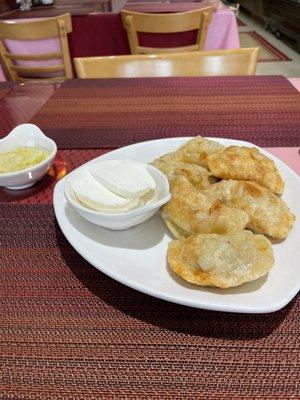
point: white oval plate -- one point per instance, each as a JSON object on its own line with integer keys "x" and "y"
{"x": 137, "y": 257}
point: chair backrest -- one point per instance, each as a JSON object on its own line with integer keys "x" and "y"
{"x": 18, "y": 66}
{"x": 135, "y": 22}
{"x": 202, "y": 63}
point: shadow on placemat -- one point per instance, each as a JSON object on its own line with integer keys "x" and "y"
{"x": 167, "y": 315}
{"x": 13, "y": 196}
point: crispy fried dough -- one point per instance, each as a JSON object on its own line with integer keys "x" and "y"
{"x": 268, "y": 214}
{"x": 245, "y": 164}
{"x": 221, "y": 260}
{"x": 191, "y": 211}
{"x": 200, "y": 177}
{"x": 195, "y": 151}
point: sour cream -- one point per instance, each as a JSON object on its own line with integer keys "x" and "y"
{"x": 114, "y": 185}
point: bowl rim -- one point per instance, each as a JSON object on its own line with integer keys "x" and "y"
{"x": 33, "y": 167}
{"x": 131, "y": 213}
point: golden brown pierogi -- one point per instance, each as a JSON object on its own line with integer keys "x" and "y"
{"x": 268, "y": 214}
{"x": 221, "y": 260}
{"x": 194, "y": 151}
{"x": 200, "y": 177}
{"x": 191, "y": 211}
{"x": 245, "y": 164}
{"x": 197, "y": 150}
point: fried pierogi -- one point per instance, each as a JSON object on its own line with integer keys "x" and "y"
{"x": 268, "y": 214}
{"x": 191, "y": 211}
{"x": 245, "y": 164}
{"x": 221, "y": 260}
{"x": 200, "y": 177}
{"x": 195, "y": 151}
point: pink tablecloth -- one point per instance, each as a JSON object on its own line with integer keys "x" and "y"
{"x": 289, "y": 155}
{"x": 103, "y": 35}
{"x": 222, "y": 33}
{"x": 295, "y": 82}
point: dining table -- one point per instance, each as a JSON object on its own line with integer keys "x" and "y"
{"x": 68, "y": 331}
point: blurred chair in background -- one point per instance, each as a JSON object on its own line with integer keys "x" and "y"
{"x": 37, "y": 65}
{"x": 202, "y": 63}
{"x": 166, "y": 23}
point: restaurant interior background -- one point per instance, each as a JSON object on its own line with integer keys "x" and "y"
{"x": 271, "y": 25}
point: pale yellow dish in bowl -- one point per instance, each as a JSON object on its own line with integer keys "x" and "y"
{"x": 26, "y": 155}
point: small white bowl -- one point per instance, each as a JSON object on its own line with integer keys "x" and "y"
{"x": 27, "y": 135}
{"x": 124, "y": 220}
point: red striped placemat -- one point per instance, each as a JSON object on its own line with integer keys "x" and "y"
{"x": 21, "y": 104}
{"x": 5, "y": 87}
{"x": 70, "y": 332}
{"x": 112, "y": 113}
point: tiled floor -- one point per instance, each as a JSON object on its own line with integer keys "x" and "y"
{"x": 286, "y": 68}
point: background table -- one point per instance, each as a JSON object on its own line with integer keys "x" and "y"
{"x": 68, "y": 331}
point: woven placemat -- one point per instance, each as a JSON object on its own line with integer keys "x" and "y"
{"x": 21, "y": 104}
{"x": 110, "y": 113}
{"x": 5, "y": 87}
{"x": 70, "y": 332}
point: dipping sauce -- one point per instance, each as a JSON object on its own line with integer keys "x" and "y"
{"x": 114, "y": 186}
{"x": 21, "y": 158}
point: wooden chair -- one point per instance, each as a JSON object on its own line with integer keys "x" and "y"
{"x": 56, "y": 27}
{"x": 135, "y": 22}
{"x": 202, "y": 63}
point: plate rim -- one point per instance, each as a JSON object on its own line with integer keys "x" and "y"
{"x": 156, "y": 293}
